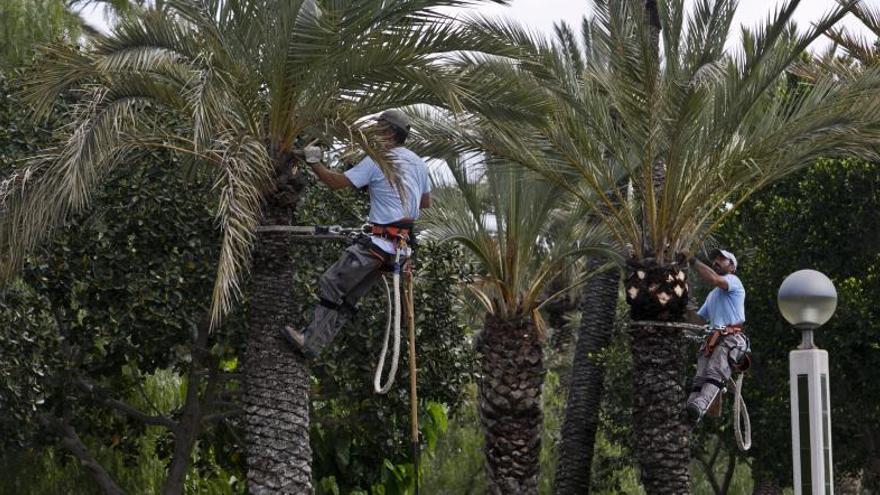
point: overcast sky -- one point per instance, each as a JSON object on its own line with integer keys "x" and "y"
{"x": 542, "y": 14}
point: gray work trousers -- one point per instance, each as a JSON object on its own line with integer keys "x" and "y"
{"x": 715, "y": 369}
{"x": 341, "y": 287}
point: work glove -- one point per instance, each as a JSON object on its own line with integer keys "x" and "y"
{"x": 314, "y": 154}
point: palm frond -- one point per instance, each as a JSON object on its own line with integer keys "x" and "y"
{"x": 718, "y": 126}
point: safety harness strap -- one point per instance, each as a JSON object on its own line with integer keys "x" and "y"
{"x": 718, "y": 383}
{"x": 715, "y": 337}
{"x": 345, "y": 306}
{"x": 393, "y": 231}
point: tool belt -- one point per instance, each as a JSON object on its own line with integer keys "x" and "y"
{"x": 745, "y": 360}
{"x": 715, "y": 337}
{"x": 393, "y": 231}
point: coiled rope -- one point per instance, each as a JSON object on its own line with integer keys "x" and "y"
{"x": 395, "y": 353}
{"x": 742, "y": 426}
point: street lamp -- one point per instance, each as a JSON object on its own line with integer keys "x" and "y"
{"x": 807, "y": 299}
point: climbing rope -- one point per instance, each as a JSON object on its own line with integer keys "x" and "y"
{"x": 316, "y": 232}
{"x": 395, "y": 353}
{"x": 742, "y": 426}
{"x": 692, "y": 331}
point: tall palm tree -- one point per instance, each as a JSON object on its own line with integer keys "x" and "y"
{"x": 713, "y": 123}
{"x": 516, "y": 259}
{"x": 861, "y": 48}
{"x": 235, "y": 86}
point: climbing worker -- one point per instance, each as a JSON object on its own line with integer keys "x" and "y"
{"x": 726, "y": 347}
{"x": 392, "y": 215}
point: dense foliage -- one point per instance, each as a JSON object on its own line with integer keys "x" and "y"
{"x": 117, "y": 297}
{"x": 824, "y": 219}
{"x": 26, "y": 24}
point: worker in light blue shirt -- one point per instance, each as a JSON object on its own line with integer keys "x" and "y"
{"x": 394, "y": 208}
{"x": 726, "y": 348}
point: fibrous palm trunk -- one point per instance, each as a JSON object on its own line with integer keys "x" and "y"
{"x": 511, "y": 378}
{"x": 276, "y": 379}
{"x": 556, "y": 310}
{"x": 586, "y": 385}
{"x": 661, "y": 431}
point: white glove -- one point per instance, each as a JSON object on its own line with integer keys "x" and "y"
{"x": 314, "y": 154}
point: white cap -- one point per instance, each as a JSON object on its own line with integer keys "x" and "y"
{"x": 726, "y": 254}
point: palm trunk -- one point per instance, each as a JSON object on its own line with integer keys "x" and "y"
{"x": 512, "y": 375}
{"x": 556, "y": 310}
{"x": 661, "y": 431}
{"x": 276, "y": 379}
{"x": 586, "y": 384}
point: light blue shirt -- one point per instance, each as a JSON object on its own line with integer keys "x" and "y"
{"x": 725, "y": 307}
{"x": 386, "y": 205}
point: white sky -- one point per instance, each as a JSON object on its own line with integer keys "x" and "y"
{"x": 542, "y": 14}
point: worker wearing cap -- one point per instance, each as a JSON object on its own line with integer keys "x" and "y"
{"x": 392, "y": 214}
{"x": 726, "y": 347}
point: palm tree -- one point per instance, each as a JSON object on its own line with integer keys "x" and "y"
{"x": 712, "y": 123}
{"x": 516, "y": 259}
{"x": 864, "y": 50}
{"x": 237, "y": 87}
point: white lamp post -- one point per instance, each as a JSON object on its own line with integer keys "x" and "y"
{"x": 807, "y": 299}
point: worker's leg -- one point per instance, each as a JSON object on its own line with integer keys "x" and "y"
{"x": 700, "y": 375}
{"x": 717, "y": 371}
{"x": 354, "y": 272}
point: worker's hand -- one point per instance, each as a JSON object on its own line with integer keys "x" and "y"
{"x": 314, "y": 154}
{"x": 682, "y": 258}
{"x": 685, "y": 258}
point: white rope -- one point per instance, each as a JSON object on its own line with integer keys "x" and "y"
{"x": 395, "y": 353}
{"x": 742, "y": 426}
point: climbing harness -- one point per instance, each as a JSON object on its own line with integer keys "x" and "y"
{"x": 402, "y": 235}
{"x": 398, "y": 233}
{"x": 742, "y": 426}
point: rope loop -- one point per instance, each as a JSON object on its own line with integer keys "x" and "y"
{"x": 395, "y": 353}
{"x": 742, "y": 425}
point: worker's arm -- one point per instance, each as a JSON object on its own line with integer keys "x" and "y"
{"x": 708, "y": 274}
{"x": 334, "y": 180}
{"x": 425, "y": 202}
{"x": 314, "y": 155}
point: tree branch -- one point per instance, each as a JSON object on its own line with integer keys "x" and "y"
{"x": 104, "y": 397}
{"x": 220, "y": 416}
{"x": 728, "y": 475}
{"x": 72, "y": 443}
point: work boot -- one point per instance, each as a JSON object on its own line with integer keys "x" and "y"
{"x": 697, "y": 406}
{"x": 694, "y": 413}
{"x": 297, "y": 340}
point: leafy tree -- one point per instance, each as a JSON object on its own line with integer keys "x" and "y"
{"x": 238, "y": 87}
{"x": 121, "y": 293}
{"x": 148, "y": 247}
{"x": 24, "y": 24}
{"x": 822, "y": 218}
{"x": 515, "y": 261}
{"x": 696, "y": 134}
